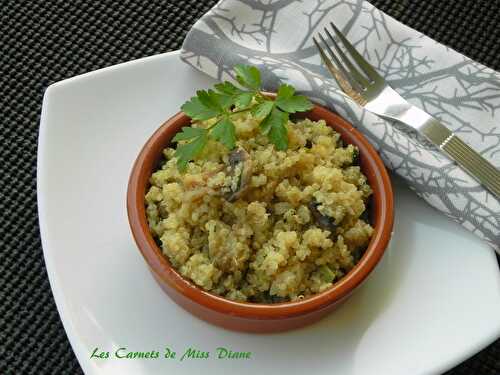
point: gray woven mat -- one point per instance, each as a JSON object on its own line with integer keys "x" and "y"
{"x": 44, "y": 42}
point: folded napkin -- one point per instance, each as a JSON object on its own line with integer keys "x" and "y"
{"x": 276, "y": 36}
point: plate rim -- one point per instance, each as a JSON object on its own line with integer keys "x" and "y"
{"x": 54, "y": 281}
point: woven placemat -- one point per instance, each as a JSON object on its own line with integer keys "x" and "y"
{"x": 44, "y": 42}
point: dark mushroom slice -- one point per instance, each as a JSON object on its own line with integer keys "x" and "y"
{"x": 240, "y": 166}
{"x": 265, "y": 297}
{"x": 158, "y": 241}
{"x": 278, "y": 299}
{"x": 358, "y": 253}
{"x": 323, "y": 221}
{"x": 355, "y": 157}
{"x": 260, "y": 297}
{"x": 366, "y": 215}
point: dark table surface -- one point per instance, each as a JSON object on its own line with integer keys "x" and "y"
{"x": 44, "y": 42}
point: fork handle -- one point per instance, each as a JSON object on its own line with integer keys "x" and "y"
{"x": 430, "y": 127}
{"x": 473, "y": 163}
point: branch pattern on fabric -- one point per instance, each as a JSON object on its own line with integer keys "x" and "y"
{"x": 463, "y": 94}
{"x": 226, "y": 101}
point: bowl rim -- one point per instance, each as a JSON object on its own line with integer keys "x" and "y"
{"x": 161, "y": 267}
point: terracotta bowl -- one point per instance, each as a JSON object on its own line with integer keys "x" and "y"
{"x": 253, "y": 317}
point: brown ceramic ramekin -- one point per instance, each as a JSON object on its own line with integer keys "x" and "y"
{"x": 253, "y": 317}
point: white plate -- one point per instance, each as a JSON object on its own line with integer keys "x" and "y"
{"x": 433, "y": 301}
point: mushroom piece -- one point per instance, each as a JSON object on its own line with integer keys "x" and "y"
{"x": 240, "y": 167}
{"x": 355, "y": 157}
{"x": 265, "y": 297}
{"x": 365, "y": 215}
{"x": 323, "y": 221}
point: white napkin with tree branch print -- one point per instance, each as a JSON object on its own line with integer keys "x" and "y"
{"x": 276, "y": 36}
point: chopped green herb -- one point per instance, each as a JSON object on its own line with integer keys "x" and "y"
{"x": 248, "y": 76}
{"x": 288, "y": 102}
{"x": 261, "y": 110}
{"x": 227, "y": 100}
{"x": 187, "y": 151}
{"x": 326, "y": 273}
{"x": 274, "y": 125}
{"x": 224, "y": 132}
{"x": 243, "y": 100}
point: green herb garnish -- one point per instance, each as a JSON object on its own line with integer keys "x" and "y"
{"x": 326, "y": 273}
{"x": 225, "y": 101}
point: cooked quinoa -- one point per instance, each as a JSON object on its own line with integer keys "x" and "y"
{"x": 260, "y": 225}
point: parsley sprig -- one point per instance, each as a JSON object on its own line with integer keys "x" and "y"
{"x": 227, "y": 100}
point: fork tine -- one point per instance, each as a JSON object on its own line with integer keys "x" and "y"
{"x": 352, "y": 69}
{"x": 360, "y": 60}
{"x": 334, "y": 71}
{"x": 340, "y": 66}
{"x": 340, "y": 77}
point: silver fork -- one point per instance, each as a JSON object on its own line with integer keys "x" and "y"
{"x": 366, "y": 87}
